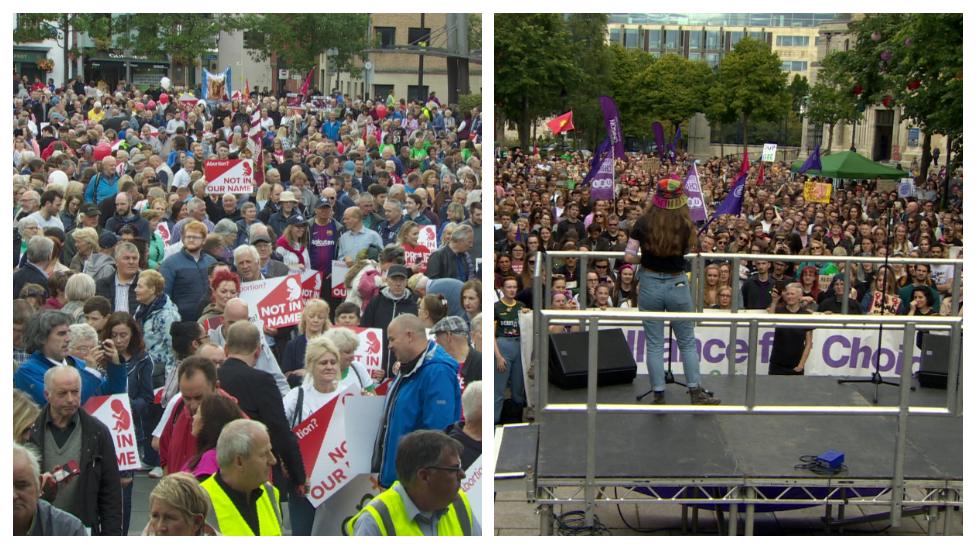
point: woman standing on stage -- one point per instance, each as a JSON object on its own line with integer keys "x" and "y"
{"x": 662, "y": 236}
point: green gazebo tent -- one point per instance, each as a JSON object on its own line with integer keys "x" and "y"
{"x": 850, "y": 165}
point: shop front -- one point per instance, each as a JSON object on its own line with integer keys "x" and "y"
{"x": 114, "y": 68}
{"x": 25, "y": 61}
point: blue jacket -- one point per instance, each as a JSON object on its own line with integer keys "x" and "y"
{"x": 429, "y": 397}
{"x": 186, "y": 281}
{"x": 99, "y": 188}
{"x": 331, "y": 129}
{"x": 30, "y": 378}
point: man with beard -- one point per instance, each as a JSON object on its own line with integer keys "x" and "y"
{"x": 125, "y": 216}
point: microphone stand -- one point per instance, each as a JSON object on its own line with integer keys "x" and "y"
{"x": 876, "y": 378}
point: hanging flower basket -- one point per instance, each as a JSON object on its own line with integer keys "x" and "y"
{"x": 46, "y": 65}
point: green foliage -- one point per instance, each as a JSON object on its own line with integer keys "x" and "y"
{"x": 798, "y": 89}
{"x": 751, "y": 84}
{"x": 677, "y": 88}
{"x": 474, "y": 31}
{"x": 185, "y": 37}
{"x": 534, "y": 68}
{"x": 298, "y": 40}
{"x": 587, "y": 35}
{"x": 630, "y": 88}
{"x": 832, "y": 99}
{"x": 468, "y": 102}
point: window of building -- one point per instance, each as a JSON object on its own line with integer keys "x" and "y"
{"x": 695, "y": 39}
{"x": 418, "y": 93}
{"x": 694, "y": 56}
{"x": 417, "y": 36}
{"x": 386, "y": 36}
{"x": 758, "y": 35}
{"x": 794, "y": 66}
{"x": 614, "y": 36}
{"x": 711, "y": 40}
{"x": 630, "y": 38}
{"x": 253, "y": 40}
{"x": 672, "y": 39}
{"x": 380, "y": 91}
{"x": 712, "y": 59}
{"x": 793, "y": 41}
{"x": 734, "y": 38}
{"x": 654, "y": 40}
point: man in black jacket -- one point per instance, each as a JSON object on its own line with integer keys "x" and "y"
{"x": 453, "y": 260}
{"x": 393, "y": 300}
{"x": 83, "y": 447}
{"x": 39, "y": 251}
{"x": 258, "y": 397}
{"x": 124, "y": 280}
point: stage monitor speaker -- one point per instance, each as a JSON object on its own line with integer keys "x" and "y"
{"x": 933, "y": 370}
{"x": 568, "y": 354}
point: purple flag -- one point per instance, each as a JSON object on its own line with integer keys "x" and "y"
{"x": 601, "y": 186}
{"x": 601, "y": 150}
{"x": 611, "y": 117}
{"x": 812, "y": 162}
{"x": 658, "y": 130}
{"x": 696, "y": 203}
{"x": 673, "y": 147}
{"x": 732, "y": 204}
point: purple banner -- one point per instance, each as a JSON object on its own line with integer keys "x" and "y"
{"x": 658, "y": 130}
{"x": 696, "y": 203}
{"x": 611, "y": 117}
{"x": 601, "y": 186}
{"x": 732, "y": 204}
{"x": 601, "y": 150}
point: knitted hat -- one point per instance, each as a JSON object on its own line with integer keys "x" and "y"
{"x": 669, "y": 195}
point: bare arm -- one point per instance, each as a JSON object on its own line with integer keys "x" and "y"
{"x": 807, "y": 345}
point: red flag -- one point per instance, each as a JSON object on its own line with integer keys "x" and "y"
{"x": 308, "y": 82}
{"x": 761, "y": 176}
{"x": 561, "y": 123}
{"x": 247, "y": 90}
{"x": 745, "y": 164}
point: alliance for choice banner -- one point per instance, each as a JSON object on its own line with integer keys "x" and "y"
{"x": 835, "y": 352}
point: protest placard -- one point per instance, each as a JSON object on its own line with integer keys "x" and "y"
{"x": 817, "y": 192}
{"x": 769, "y": 152}
{"x": 339, "y": 271}
{"x": 277, "y": 301}
{"x": 370, "y": 350}
{"x": 472, "y": 487}
{"x": 115, "y": 412}
{"x": 229, "y": 176}
{"x": 336, "y": 446}
{"x": 163, "y": 229}
{"x": 428, "y": 237}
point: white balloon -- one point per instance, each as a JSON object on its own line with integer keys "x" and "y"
{"x": 57, "y": 176}
{"x": 164, "y": 82}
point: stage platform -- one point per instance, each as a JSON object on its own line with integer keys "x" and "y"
{"x": 733, "y": 460}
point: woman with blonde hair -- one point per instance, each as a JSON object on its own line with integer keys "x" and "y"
{"x": 293, "y": 244}
{"x": 26, "y": 412}
{"x": 321, "y": 386}
{"x": 314, "y": 322}
{"x": 662, "y": 236}
{"x": 414, "y": 253}
{"x": 711, "y": 285}
{"x": 353, "y": 375}
{"x": 178, "y": 506}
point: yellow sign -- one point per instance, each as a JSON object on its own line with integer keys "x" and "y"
{"x": 817, "y": 192}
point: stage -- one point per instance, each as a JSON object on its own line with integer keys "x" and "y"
{"x": 740, "y": 464}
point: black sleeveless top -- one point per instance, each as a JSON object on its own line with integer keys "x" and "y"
{"x": 671, "y": 264}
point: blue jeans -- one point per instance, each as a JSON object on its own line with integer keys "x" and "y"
{"x": 666, "y": 292}
{"x": 302, "y": 513}
{"x": 511, "y": 350}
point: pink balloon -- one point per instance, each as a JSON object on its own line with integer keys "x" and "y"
{"x": 381, "y": 111}
{"x": 139, "y": 106}
{"x": 101, "y": 151}
{"x": 164, "y": 98}
{"x": 151, "y": 104}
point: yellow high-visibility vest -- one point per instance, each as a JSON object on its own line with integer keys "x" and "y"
{"x": 390, "y": 514}
{"x": 229, "y": 519}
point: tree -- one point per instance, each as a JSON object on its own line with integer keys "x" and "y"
{"x": 184, "y": 37}
{"x": 832, "y": 99}
{"x": 678, "y": 88}
{"x": 533, "y": 65}
{"x": 37, "y": 27}
{"x": 799, "y": 91}
{"x": 587, "y": 36}
{"x": 752, "y": 84}
{"x": 914, "y": 61}
{"x": 298, "y": 41}
{"x": 629, "y": 84}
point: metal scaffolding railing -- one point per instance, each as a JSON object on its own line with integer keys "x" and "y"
{"x": 591, "y": 319}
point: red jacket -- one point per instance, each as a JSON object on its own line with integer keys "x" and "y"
{"x": 177, "y": 443}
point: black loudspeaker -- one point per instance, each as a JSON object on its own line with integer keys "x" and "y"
{"x": 933, "y": 371}
{"x": 568, "y": 354}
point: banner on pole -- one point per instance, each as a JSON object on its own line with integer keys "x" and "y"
{"x": 696, "y": 203}
{"x": 115, "y": 412}
{"x": 229, "y": 176}
{"x": 601, "y": 186}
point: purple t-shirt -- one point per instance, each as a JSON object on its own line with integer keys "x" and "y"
{"x": 322, "y": 248}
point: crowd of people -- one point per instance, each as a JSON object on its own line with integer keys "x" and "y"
{"x": 542, "y": 205}
{"x": 128, "y": 277}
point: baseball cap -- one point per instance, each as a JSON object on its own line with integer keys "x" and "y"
{"x": 260, "y": 237}
{"x": 107, "y": 240}
{"x": 398, "y": 270}
{"x": 323, "y": 203}
{"x": 296, "y": 219}
{"x": 90, "y": 210}
{"x": 451, "y": 325}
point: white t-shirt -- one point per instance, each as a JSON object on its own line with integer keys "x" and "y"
{"x": 312, "y": 401}
{"x": 167, "y": 413}
{"x": 55, "y": 221}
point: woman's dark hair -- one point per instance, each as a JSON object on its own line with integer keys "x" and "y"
{"x": 929, "y": 300}
{"x": 436, "y": 305}
{"x": 174, "y": 210}
{"x": 217, "y": 411}
{"x": 136, "y": 343}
